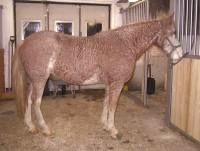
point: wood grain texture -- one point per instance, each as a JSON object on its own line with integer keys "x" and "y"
{"x": 185, "y": 108}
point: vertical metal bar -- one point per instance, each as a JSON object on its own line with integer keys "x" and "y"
{"x": 127, "y": 20}
{"x": 182, "y": 19}
{"x": 147, "y": 3}
{"x": 178, "y": 21}
{"x": 109, "y": 17}
{"x": 143, "y": 12}
{"x": 123, "y": 18}
{"x": 169, "y": 82}
{"x": 131, "y": 15}
{"x": 198, "y": 37}
{"x": 139, "y": 6}
{"x": 186, "y": 27}
{"x": 145, "y": 101}
{"x": 46, "y": 17}
{"x": 136, "y": 14}
{"x": 135, "y": 20}
{"x": 195, "y": 27}
{"x": 80, "y": 21}
{"x": 126, "y": 17}
{"x": 191, "y": 12}
{"x": 169, "y": 92}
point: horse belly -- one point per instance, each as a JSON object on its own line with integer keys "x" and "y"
{"x": 94, "y": 79}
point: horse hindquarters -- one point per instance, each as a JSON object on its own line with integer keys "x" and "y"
{"x": 28, "y": 90}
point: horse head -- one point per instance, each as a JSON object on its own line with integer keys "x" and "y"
{"x": 168, "y": 41}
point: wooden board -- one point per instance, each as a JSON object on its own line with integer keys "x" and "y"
{"x": 185, "y": 108}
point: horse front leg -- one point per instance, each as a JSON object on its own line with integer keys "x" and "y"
{"x": 114, "y": 93}
{"x": 38, "y": 89}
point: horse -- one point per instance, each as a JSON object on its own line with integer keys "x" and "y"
{"x": 108, "y": 57}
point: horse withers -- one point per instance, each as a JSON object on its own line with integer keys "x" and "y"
{"x": 108, "y": 57}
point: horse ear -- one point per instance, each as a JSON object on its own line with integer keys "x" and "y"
{"x": 168, "y": 20}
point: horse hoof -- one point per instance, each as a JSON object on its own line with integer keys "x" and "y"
{"x": 33, "y": 130}
{"x": 105, "y": 128}
{"x": 47, "y": 133}
{"x": 117, "y": 136}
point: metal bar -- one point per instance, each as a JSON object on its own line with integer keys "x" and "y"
{"x": 131, "y": 15}
{"x": 137, "y": 13}
{"x": 186, "y": 27}
{"x": 127, "y": 20}
{"x": 109, "y": 16}
{"x": 198, "y": 38}
{"x": 178, "y": 21}
{"x": 138, "y": 3}
{"x": 190, "y": 43}
{"x": 195, "y": 28}
{"x": 140, "y": 8}
{"x": 143, "y": 12}
{"x": 182, "y": 20}
{"x": 15, "y": 26}
{"x": 148, "y": 15}
{"x": 169, "y": 92}
{"x": 123, "y": 18}
{"x": 80, "y": 21}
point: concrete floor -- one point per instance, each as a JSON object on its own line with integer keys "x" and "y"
{"x": 76, "y": 126}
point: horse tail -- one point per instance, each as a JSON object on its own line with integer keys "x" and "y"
{"x": 19, "y": 83}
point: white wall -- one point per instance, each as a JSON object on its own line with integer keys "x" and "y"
{"x": 7, "y": 30}
{"x": 8, "y": 22}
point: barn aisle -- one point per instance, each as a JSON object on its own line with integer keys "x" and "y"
{"x": 76, "y": 126}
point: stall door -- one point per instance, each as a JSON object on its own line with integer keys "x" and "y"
{"x": 30, "y": 18}
{"x": 94, "y": 19}
{"x": 64, "y": 18}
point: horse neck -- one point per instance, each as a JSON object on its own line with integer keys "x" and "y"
{"x": 140, "y": 37}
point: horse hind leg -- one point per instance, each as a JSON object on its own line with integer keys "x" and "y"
{"x": 38, "y": 89}
{"x": 114, "y": 93}
{"x": 104, "y": 116}
{"x": 27, "y": 116}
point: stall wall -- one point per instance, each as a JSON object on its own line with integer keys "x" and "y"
{"x": 7, "y": 31}
{"x": 185, "y": 107}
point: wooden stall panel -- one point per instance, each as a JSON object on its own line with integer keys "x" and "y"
{"x": 194, "y": 101}
{"x": 185, "y": 108}
{"x": 181, "y": 93}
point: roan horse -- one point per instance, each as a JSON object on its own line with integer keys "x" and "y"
{"x": 107, "y": 57}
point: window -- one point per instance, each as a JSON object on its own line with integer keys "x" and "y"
{"x": 93, "y": 28}
{"x": 64, "y": 26}
{"x": 29, "y": 27}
